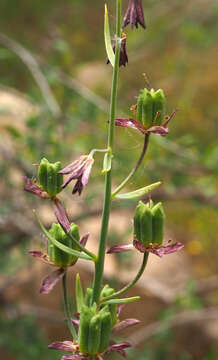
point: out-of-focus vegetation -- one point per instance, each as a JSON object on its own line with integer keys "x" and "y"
{"x": 65, "y": 115}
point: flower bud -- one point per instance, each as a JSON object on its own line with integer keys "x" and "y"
{"x": 143, "y": 224}
{"x": 48, "y": 177}
{"x": 57, "y": 256}
{"x": 158, "y": 220}
{"x": 151, "y": 107}
{"x": 88, "y": 296}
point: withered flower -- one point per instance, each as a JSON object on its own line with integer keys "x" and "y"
{"x": 79, "y": 170}
{"x": 134, "y": 14}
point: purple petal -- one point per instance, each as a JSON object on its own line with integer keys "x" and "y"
{"x": 120, "y": 248}
{"x": 124, "y": 324}
{"x": 87, "y": 171}
{"x": 61, "y": 214}
{"x": 158, "y": 250}
{"x": 119, "y": 348}
{"x": 159, "y": 130}
{"x": 51, "y": 280}
{"x": 74, "y": 166}
{"x": 78, "y": 187}
{"x": 131, "y": 124}
{"x": 84, "y": 239}
{"x": 35, "y": 189}
{"x": 63, "y": 345}
{"x": 75, "y": 322}
{"x": 39, "y": 255}
{"x": 120, "y": 308}
{"x": 74, "y": 357}
{"x": 169, "y": 249}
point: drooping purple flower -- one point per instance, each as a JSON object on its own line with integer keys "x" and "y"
{"x": 124, "y": 324}
{"x": 79, "y": 170}
{"x": 118, "y": 348}
{"x": 134, "y": 14}
{"x": 130, "y": 123}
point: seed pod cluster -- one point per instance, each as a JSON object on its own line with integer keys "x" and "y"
{"x": 48, "y": 177}
{"x": 151, "y": 107}
{"x": 149, "y": 222}
{"x": 57, "y": 256}
{"x": 94, "y": 329}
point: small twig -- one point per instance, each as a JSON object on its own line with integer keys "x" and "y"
{"x": 34, "y": 68}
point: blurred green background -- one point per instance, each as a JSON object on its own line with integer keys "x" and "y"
{"x": 54, "y": 93}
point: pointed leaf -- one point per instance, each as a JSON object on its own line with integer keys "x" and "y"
{"x": 138, "y": 193}
{"x": 121, "y": 301}
{"x": 79, "y": 294}
{"x": 58, "y": 244}
{"x": 107, "y": 38}
{"x": 107, "y": 162}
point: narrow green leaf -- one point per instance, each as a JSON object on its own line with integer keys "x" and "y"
{"x": 58, "y": 244}
{"x": 107, "y": 38}
{"x": 79, "y": 294}
{"x": 138, "y": 193}
{"x": 107, "y": 162}
{"x": 121, "y": 301}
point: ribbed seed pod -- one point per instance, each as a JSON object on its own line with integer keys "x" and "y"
{"x": 48, "y": 177}
{"x": 83, "y": 335}
{"x": 143, "y": 223}
{"x": 158, "y": 220}
{"x": 88, "y": 296}
{"x": 106, "y": 326}
{"x": 107, "y": 291}
{"x": 94, "y": 334}
{"x": 159, "y": 105}
{"x": 144, "y": 112}
{"x": 58, "y": 256}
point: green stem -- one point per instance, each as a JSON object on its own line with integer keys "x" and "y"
{"x": 82, "y": 248}
{"x": 133, "y": 171}
{"x": 66, "y": 307}
{"x": 132, "y": 283}
{"x": 99, "y": 265}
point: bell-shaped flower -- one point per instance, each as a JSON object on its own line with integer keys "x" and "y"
{"x": 79, "y": 170}
{"x": 123, "y": 53}
{"x": 134, "y": 14}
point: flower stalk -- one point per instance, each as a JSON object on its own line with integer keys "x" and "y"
{"x": 99, "y": 265}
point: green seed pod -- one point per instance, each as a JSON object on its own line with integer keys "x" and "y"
{"x": 159, "y": 105}
{"x": 48, "y": 177}
{"x": 143, "y": 224}
{"x": 88, "y": 296}
{"x": 94, "y": 334}
{"x": 107, "y": 291}
{"x": 106, "y": 326}
{"x": 58, "y": 256}
{"x": 83, "y": 335}
{"x": 158, "y": 220}
{"x": 144, "y": 113}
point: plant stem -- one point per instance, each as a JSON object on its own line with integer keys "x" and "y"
{"x": 66, "y": 307}
{"x": 133, "y": 282}
{"x": 133, "y": 171}
{"x": 99, "y": 265}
